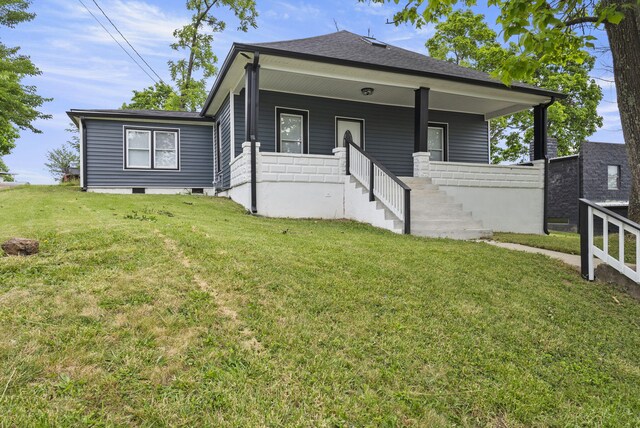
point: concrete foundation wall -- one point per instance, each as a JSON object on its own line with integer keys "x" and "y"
{"x": 504, "y": 198}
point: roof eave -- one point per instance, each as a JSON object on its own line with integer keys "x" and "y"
{"x": 241, "y": 47}
{"x": 97, "y": 114}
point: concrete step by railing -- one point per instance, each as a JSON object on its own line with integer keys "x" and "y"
{"x": 436, "y": 214}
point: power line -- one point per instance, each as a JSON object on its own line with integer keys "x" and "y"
{"x": 125, "y": 39}
{"x": 119, "y": 44}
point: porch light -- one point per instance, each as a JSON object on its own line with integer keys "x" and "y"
{"x": 367, "y": 91}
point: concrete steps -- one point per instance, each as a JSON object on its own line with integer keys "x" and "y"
{"x": 435, "y": 214}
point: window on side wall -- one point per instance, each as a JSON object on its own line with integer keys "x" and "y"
{"x": 613, "y": 175}
{"x": 292, "y": 131}
{"x": 153, "y": 149}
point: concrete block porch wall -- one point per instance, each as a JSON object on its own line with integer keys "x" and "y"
{"x": 495, "y": 197}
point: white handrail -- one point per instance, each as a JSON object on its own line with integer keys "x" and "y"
{"x": 589, "y": 250}
{"x": 381, "y": 184}
{"x": 359, "y": 166}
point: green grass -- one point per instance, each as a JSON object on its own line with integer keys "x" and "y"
{"x": 183, "y": 310}
{"x": 568, "y": 242}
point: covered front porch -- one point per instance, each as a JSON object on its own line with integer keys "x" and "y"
{"x": 405, "y": 152}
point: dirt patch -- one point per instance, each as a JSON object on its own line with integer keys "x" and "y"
{"x": 222, "y": 300}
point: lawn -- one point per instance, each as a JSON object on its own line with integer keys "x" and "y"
{"x": 183, "y": 310}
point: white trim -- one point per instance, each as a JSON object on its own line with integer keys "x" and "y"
{"x": 476, "y": 89}
{"x": 160, "y": 120}
{"x": 277, "y": 124}
{"x": 446, "y": 138}
{"x": 214, "y": 139}
{"x": 359, "y": 119}
{"x": 80, "y": 128}
{"x": 488, "y": 141}
{"x": 151, "y": 129}
{"x": 126, "y": 156}
{"x": 175, "y": 148}
{"x": 232, "y": 126}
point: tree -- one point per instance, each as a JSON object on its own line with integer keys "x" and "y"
{"x": 465, "y": 39}
{"x": 196, "y": 38}
{"x": 4, "y": 168}
{"x": 554, "y": 32}
{"x": 159, "y": 96}
{"x": 19, "y": 103}
{"x": 62, "y": 159}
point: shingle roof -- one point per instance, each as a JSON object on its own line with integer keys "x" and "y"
{"x": 347, "y": 46}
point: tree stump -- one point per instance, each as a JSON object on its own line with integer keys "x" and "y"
{"x": 21, "y": 247}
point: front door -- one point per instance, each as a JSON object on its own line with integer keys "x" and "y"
{"x": 349, "y": 130}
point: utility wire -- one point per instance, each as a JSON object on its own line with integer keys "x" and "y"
{"x": 125, "y": 39}
{"x": 119, "y": 44}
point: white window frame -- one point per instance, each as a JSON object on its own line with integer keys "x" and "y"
{"x": 618, "y": 178}
{"x": 155, "y": 149}
{"x": 128, "y": 149}
{"x": 445, "y": 140}
{"x": 152, "y": 132}
{"x": 284, "y": 140}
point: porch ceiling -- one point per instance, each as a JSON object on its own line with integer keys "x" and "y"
{"x": 291, "y": 75}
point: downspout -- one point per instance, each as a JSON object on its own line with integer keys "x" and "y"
{"x": 84, "y": 154}
{"x": 545, "y": 208}
{"x": 254, "y": 130}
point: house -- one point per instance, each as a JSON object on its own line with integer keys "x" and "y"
{"x": 73, "y": 174}
{"x": 599, "y": 172}
{"x": 334, "y": 126}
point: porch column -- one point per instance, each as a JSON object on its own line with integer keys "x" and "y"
{"x": 539, "y": 131}
{"x": 421, "y": 120}
{"x": 251, "y": 103}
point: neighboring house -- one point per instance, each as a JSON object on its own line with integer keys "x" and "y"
{"x": 335, "y": 126}
{"x": 72, "y": 175}
{"x": 599, "y": 172}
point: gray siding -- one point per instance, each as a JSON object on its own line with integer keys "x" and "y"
{"x": 105, "y": 155}
{"x": 224, "y": 118}
{"x": 388, "y": 129}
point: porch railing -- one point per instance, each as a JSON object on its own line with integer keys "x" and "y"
{"x": 588, "y": 212}
{"x": 381, "y": 183}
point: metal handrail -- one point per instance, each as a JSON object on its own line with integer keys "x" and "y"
{"x": 374, "y": 163}
{"x": 588, "y": 250}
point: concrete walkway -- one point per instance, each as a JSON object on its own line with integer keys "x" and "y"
{"x": 570, "y": 259}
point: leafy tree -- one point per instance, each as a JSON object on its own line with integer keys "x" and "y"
{"x": 160, "y": 96}
{"x": 62, "y": 159}
{"x": 556, "y": 32}
{"x": 4, "y": 168}
{"x": 18, "y": 102}
{"x": 465, "y": 39}
{"x": 196, "y": 39}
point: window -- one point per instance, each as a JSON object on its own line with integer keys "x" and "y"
{"x": 138, "y": 148}
{"x": 613, "y": 172}
{"x": 436, "y": 142}
{"x": 165, "y": 150}
{"x": 151, "y": 149}
{"x": 292, "y": 131}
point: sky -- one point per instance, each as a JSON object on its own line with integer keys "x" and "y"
{"x": 83, "y": 68}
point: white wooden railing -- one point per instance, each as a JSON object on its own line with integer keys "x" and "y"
{"x": 588, "y": 249}
{"x": 381, "y": 183}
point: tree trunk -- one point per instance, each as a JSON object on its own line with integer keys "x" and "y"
{"x": 624, "y": 40}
